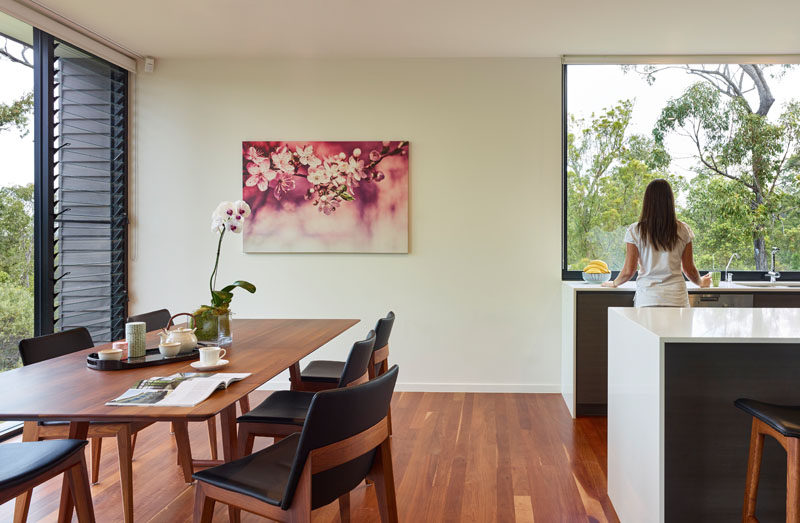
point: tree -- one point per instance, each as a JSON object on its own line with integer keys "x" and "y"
{"x": 17, "y": 113}
{"x": 735, "y": 140}
{"x": 607, "y": 173}
{"x": 16, "y": 232}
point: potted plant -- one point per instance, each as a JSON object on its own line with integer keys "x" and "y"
{"x": 213, "y": 322}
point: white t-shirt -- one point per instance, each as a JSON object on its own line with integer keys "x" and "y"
{"x": 660, "y": 281}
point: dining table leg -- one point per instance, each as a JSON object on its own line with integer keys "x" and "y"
{"x": 230, "y": 449}
{"x": 294, "y": 376}
{"x": 77, "y": 430}
{"x": 125, "y": 451}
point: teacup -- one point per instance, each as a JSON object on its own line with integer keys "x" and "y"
{"x": 211, "y": 355}
{"x": 169, "y": 350}
{"x": 110, "y": 354}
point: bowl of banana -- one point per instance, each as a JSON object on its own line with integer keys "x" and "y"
{"x": 596, "y": 272}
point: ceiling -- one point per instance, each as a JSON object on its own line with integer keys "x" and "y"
{"x": 438, "y": 28}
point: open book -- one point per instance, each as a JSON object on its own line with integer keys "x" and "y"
{"x": 185, "y": 389}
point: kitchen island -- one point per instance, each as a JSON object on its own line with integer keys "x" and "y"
{"x": 677, "y": 447}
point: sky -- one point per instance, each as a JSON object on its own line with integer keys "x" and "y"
{"x": 16, "y": 154}
{"x": 590, "y": 88}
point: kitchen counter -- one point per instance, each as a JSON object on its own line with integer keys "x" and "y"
{"x": 630, "y": 286}
{"x": 713, "y": 325}
{"x": 677, "y": 446}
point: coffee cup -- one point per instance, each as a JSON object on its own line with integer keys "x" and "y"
{"x": 169, "y": 350}
{"x": 211, "y": 355}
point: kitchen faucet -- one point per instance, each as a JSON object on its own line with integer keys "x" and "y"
{"x": 728, "y": 274}
{"x": 773, "y": 275}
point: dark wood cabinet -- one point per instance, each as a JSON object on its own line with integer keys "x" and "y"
{"x": 776, "y": 300}
{"x": 591, "y": 349}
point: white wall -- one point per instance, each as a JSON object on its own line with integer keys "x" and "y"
{"x": 477, "y": 298}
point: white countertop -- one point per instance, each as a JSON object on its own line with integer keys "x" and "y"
{"x": 709, "y": 325}
{"x": 723, "y": 287}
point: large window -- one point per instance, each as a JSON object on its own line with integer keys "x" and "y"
{"x": 63, "y": 198}
{"x": 727, "y": 136}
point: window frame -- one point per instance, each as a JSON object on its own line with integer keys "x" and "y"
{"x": 570, "y": 275}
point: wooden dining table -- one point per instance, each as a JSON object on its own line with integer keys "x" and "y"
{"x": 65, "y": 389}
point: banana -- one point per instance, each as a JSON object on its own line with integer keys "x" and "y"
{"x": 596, "y": 267}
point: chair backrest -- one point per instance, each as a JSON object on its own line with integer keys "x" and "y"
{"x": 383, "y": 329}
{"x": 336, "y": 415}
{"x": 380, "y": 355}
{"x": 41, "y": 348}
{"x": 356, "y": 366}
{"x": 154, "y": 320}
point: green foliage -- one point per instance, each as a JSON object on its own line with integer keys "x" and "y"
{"x": 16, "y": 114}
{"x": 757, "y": 161}
{"x": 744, "y": 197}
{"x": 606, "y": 176}
{"x": 16, "y": 234}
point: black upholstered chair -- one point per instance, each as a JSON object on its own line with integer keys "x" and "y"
{"x": 154, "y": 320}
{"x": 324, "y": 374}
{"x": 782, "y": 423}
{"x": 26, "y": 465}
{"x": 284, "y": 411}
{"x": 41, "y": 348}
{"x": 344, "y": 440}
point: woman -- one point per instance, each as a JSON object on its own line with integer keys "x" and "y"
{"x": 662, "y": 248}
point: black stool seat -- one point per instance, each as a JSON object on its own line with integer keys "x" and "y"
{"x": 262, "y": 475}
{"x": 21, "y": 462}
{"x": 283, "y": 407}
{"x": 785, "y": 419}
{"x": 323, "y": 371}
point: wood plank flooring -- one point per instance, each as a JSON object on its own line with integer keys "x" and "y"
{"x": 457, "y": 456}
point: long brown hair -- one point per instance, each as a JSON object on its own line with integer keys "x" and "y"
{"x": 658, "y": 224}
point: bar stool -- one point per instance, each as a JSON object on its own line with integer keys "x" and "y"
{"x": 782, "y": 423}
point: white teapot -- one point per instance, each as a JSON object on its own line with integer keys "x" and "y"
{"x": 183, "y": 335}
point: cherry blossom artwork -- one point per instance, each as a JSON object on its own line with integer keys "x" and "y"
{"x": 326, "y": 196}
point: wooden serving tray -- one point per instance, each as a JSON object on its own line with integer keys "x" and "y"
{"x": 151, "y": 358}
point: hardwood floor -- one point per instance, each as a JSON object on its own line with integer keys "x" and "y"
{"x": 457, "y": 457}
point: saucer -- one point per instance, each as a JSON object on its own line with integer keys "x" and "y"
{"x": 218, "y": 365}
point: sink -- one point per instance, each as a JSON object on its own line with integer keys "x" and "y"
{"x": 767, "y": 283}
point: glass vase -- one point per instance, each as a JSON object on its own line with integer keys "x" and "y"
{"x": 214, "y": 327}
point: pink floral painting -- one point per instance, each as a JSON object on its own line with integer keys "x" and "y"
{"x": 326, "y": 196}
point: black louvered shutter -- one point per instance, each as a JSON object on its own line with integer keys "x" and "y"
{"x": 89, "y": 194}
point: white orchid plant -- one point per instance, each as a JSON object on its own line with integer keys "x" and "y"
{"x": 228, "y": 216}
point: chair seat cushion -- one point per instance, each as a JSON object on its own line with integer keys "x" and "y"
{"x": 284, "y": 407}
{"x": 20, "y": 462}
{"x": 784, "y": 419}
{"x": 323, "y": 371}
{"x": 262, "y": 475}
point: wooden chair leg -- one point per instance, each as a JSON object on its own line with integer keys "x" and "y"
{"x": 793, "y": 480}
{"x": 344, "y": 507}
{"x": 389, "y": 419}
{"x": 81, "y": 493}
{"x": 753, "y": 471}
{"x": 125, "y": 471}
{"x": 212, "y": 436}
{"x": 246, "y": 440}
{"x": 203, "y": 505}
{"x": 382, "y": 475}
{"x": 97, "y": 447}
{"x": 184, "y": 449}
{"x": 30, "y": 432}
{"x": 244, "y": 404}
